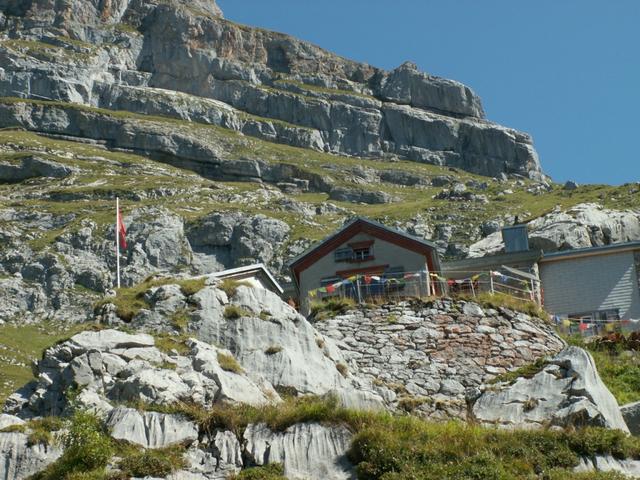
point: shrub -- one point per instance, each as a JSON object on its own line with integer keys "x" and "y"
{"x": 233, "y": 312}
{"x": 228, "y": 363}
{"x": 273, "y": 471}
{"x": 153, "y": 462}
{"x": 87, "y": 449}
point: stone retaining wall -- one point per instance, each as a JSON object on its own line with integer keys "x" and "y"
{"x": 429, "y": 357}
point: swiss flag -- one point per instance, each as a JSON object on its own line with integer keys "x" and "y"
{"x": 122, "y": 231}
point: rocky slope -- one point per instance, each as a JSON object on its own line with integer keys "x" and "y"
{"x": 177, "y": 388}
{"x": 229, "y": 144}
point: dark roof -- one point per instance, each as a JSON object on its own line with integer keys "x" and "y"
{"x": 351, "y": 222}
{"x": 581, "y": 252}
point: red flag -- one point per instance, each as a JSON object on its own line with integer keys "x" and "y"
{"x": 331, "y": 289}
{"x": 122, "y": 231}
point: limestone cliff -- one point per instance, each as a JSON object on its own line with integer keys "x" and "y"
{"x": 182, "y": 59}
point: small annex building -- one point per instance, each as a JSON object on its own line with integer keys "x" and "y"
{"x": 596, "y": 283}
{"x": 256, "y": 275}
{"x": 369, "y": 256}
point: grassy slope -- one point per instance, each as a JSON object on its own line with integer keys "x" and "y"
{"x": 125, "y": 174}
{"x": 393, "y": 447}
{"x": 22, "y": 345}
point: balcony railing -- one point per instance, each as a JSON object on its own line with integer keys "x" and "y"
{"x": 424, "y": 284}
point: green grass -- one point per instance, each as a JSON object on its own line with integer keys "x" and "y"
{"x": 129, "y": 301}
{"x": 388, "y": 446}
{"x": 501, "y": 300}
{"x": 234, "y": 312}
{"x": 331, "y": 307}
{"x": 153, "y": 462}
{"x": 619, "y": 371}
{"x": 526, "y": 371}
{"x": 194, "y": 203}
{"x": 405, "y": 447}
{"x": 20, "y": 345}
{"x": 229, "y": 363}
{"x": 87, "y": 449}
{"x": 230, "y": 286}
{"x": 180, "y": 319}
{"x": 273, "y": 471}
{"x": 167, "y": 343}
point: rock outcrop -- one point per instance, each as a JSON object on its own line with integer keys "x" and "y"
{"x": 97, "y": 370}
{"x": 269, "y": 339}
{"x": 582, "y": 226}
{"x": 20, "y": 459}
{"x": 307, "y": 451}
{"x": 150, "y": 429}
{"x": 567, "y": 392}
{"x": 186, "y": 61}
{"x": 631, "y": 414}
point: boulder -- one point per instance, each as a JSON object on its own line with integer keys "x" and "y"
{"x": 305, "y": 362}
{"x": 407, "y": 85}
{"x": 20, "y": 459}
{"x": 631, "y": 414}
{"x": 567, "y": 392}
{"x": 307, "y": 451}
{"x": 150, "y": 429}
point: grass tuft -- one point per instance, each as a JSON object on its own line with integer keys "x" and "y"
{"x": 153, "y": 462}
{"x": 234, "y": 312}
{"x": 230, "y": 286}
{"x": 129, "y": 301}
{"x": 526, "y": 371}
{"x": 273, "y": 471}
{"x": 229, "y": 363}
{"x": 500, "y": 300}
{"x": 331, "y": 307}
{"x": 272, "y": 350}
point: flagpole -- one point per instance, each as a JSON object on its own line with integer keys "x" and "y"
{"x": 118, "y": 240}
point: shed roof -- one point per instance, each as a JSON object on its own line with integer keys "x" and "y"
{"x": 248, "y": 269}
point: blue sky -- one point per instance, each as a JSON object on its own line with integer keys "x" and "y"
{"x": 565, "y": 71}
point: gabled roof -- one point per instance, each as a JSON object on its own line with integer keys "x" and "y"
{"x": 590, "y": 251}
{"x": 248, "y": 269}
{"x": 358, "y": 225}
